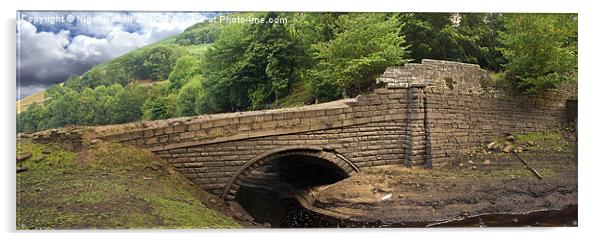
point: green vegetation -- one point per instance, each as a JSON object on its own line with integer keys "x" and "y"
{"x": 541, "y": 49}
{"x": 313, "y": 57}
{"x": 105, "y": 187}
{"x": 466, "y": 37}
{"x": 363, "y": 47}
{"x": 547, "y": 141}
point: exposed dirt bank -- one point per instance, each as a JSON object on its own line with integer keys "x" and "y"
{"x": 480, "y": 183}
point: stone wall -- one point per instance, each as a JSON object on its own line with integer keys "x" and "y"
{"x": 425, "y": 114}
{"x": 460, "y": 108}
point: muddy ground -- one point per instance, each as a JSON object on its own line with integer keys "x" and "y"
{"x": 483, "y": 182}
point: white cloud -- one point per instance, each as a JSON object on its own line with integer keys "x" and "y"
{"x": 47, "y": 58}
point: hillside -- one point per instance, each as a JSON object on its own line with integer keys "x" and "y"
{"x": 195, "y": 40}
{"x": 108, "y": 186}
{"x": 37, "y": 97}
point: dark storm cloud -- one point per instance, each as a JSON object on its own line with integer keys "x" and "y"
{"x": 49, "y": 52}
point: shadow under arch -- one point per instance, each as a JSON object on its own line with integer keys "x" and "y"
{"x": 344, "y": 165}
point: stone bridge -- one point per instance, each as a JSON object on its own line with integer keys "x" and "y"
{"x": 422, "y": 115}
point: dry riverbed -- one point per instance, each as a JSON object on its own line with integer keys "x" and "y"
{"x": 484, "y": 182}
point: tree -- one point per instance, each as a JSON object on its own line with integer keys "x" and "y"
{"x": 32, "y": 119}
{"x": 200, "y": 33}
{"x": 186, "y": 68}
{"x": 463, "y": 37}
{"x": 541, "y": 50}
{"x": 250, "y": 66}
{"x": 160, "y": 103}
{"x": 187, "y": 98}
{"x": 364, "y": 46}
{"x": 118, "y": 73}
{"x": 63, "y": 109}
{"x": 157, "y": 62}
{"x": 129, "y": 103}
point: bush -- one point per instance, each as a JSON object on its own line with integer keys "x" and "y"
{"x": 541, "y": 49}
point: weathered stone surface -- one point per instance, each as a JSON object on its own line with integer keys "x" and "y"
{"x": 426, "y": 114}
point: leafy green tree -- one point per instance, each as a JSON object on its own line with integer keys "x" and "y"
{"x": 63, "y": 109}
{"x": 200, "y": 33}
{"x": 74, "y": 81}
{"x": 222, "y": 65}
{"x": 187, "y": 97}
{"x": 105, "y": 100}
{"x": 32, "y": 119}
{"x": 541, "y": 50}
{"x": 87, "y": 107}
{"x": 272, "y": 58}
{"x": 160, "y": 103}
{"x": 94, "y": 77}
{"x": 250, "y": 66}
{"x": 160, "y": 107}
{"x": 157, "y": 62}
{"x": 463, "y": 37}
{"x": 129, "y": 103}
{"x": 118, "y": 73}
{"x": 186, "y": 68}
{"x": 364, "y": 46}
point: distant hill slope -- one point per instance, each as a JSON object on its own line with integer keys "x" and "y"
{"x": 37, "y": 97}
{"x": 146, "y": 64}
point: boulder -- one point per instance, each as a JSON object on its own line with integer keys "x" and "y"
{"x": 491, "y": 145}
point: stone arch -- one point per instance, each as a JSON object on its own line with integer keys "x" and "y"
{"x": 326, "y": 154}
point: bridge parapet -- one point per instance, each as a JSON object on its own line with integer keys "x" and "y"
{"x": 460, "y": 77}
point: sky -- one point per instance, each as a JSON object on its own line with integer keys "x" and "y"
{"x": 51, "y": 46}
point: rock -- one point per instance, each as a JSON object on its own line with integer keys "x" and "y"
{"x": 507, "y": 149}
{"x": 470, "y": 162}
{"x": 512, "y": 177}
{"x": 94, "y": 141}
{"x": 21, "y": 169}
{"x": 510, "y": 138}
{"x": 45, "y": 151}
{"x": 386, "y": 197}
{"x": 23, "y": 157}
{"x": 213, "y": 201}
{"x": 519, "y": 149}
{"x": 491, "y": 145}
{"x": 498, "y": 148}
{"x": 530, "y": 143}
{"x": 487, "y": 162}
{"x": 400, "y": 196}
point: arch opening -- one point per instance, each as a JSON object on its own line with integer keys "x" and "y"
{"x": 265, "y": 189}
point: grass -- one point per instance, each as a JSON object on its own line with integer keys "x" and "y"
{"x": 37, "y": 97}
{"x": 198, "y": 49}
{"x": 109, "y": 186}
{"x": 548, "y": 140}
